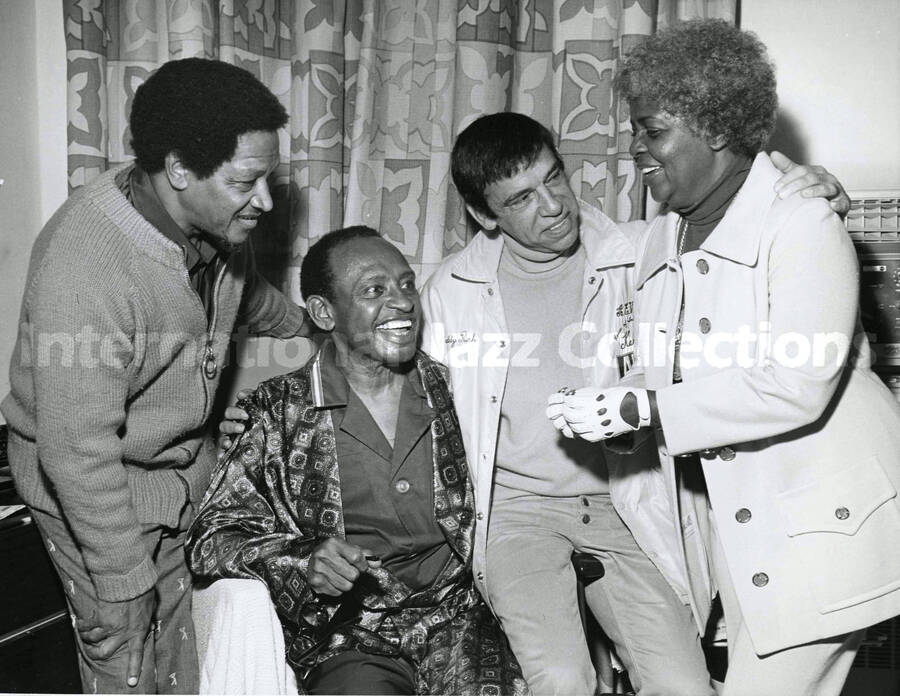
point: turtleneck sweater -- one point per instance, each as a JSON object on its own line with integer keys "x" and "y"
{"x": 540, "y": 307}
{"x": 703, "y": 216}
{"x": 701, "y": 219}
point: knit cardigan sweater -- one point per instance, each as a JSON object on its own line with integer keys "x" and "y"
{"x": 109, "y": 397}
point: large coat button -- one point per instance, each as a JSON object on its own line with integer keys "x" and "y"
{"x": 743, "y": 515}
{"x": 702, "y": 266}
{"x": 705, "y": 325}
{"x": 760, "y": 579}
{"x": 842, "y": 513}
{"x": 726, "y": 454}
{"x": 402, "y": 486}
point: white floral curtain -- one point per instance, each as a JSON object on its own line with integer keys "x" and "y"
{"x": 376, "y": 91}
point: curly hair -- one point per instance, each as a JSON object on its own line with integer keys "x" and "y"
{"x": 316, "y": 272}
{"x": 494, "y": 147}
{"x": 716, "y": 78}
{"x": 198, "y": 108}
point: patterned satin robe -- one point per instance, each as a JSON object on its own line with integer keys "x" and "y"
{"x": 277, "y": 496}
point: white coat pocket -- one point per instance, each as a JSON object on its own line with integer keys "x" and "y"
{"x": 843, "y": 529}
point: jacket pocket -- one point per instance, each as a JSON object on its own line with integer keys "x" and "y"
{"x": 839, "y": 527}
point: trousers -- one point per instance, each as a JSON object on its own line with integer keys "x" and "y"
{"x": 170, "y": 656}
{"x": 356, "y": 672}
{"x": 532, "y": 588}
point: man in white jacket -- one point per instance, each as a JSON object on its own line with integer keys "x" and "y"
{"x": 540, "y": 300}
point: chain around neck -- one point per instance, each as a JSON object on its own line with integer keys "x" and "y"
{"x": 682, "y": 234}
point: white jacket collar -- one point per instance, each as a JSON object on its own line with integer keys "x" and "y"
{"x": 604, "y": 244}
{"x": 736, "y": 237}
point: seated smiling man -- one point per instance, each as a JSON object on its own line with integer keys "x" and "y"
{"x": 348, "y": 496}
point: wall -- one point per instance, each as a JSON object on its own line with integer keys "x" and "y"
{"x": 838, "y": 67}
{"x": 50, "y": 59}
{"x": 19, "y": 166}
{"x": 32, "y": 149}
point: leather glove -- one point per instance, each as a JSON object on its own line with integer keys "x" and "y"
{"x": 555, "y": 412}
{"x": 598, "y": 414}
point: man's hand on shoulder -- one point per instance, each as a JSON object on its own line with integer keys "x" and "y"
{"x": 810, "y": 181}
{"x": 114, "y": 626}
{"x": 233, "y": 423}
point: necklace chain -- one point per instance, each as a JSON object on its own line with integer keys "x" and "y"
{"x": 682, "y": 233}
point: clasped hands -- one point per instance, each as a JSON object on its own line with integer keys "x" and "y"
{"x": 599, "y": 414}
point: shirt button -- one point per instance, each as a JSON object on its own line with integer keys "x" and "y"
{"x": 585, "y": 502}
{"x": 479, "y": 516}
{"x": 760, "y": 579}
{"x": 726, "y": 454}
{"x": 480, "y": 575}
{"x": 842, "y": 513}
{"x": 402, "y": 486}
{"x": 592, "y": 280}
{"x": 702, "y": 266}
{"x": 743, "y": 515}
{"x": 585, "y": 518}
{"x": 490, "y": 291}
{"x": 493, "y": 399}
{"x": 705, "y": 326}
{"x": 503, "y": 344}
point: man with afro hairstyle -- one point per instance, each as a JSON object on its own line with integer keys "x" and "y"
{"x": 132, "y": 294}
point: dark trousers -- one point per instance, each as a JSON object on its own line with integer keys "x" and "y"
{"x": 355, "y": 672}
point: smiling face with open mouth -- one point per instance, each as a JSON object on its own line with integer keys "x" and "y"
{"x": 678, "y": 165}
{"x": 376, "y": 308}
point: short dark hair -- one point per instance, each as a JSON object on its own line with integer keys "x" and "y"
{"x": 316, "y": 272}
{"x": 716, "y": 78}
{"x": 495, "y": 147}
{"x": 198, "y": 108}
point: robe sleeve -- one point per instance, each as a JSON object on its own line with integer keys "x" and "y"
{"x": 245, "y": 527}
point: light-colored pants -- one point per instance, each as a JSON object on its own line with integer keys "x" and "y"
{"x": 813, "y": 669}
{"x": 532, "y": 588}
{"x": 240, "y": 642}
{"x": 170, "y": 656}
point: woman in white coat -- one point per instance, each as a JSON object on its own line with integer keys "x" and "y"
{"x": 755, "y": 372}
